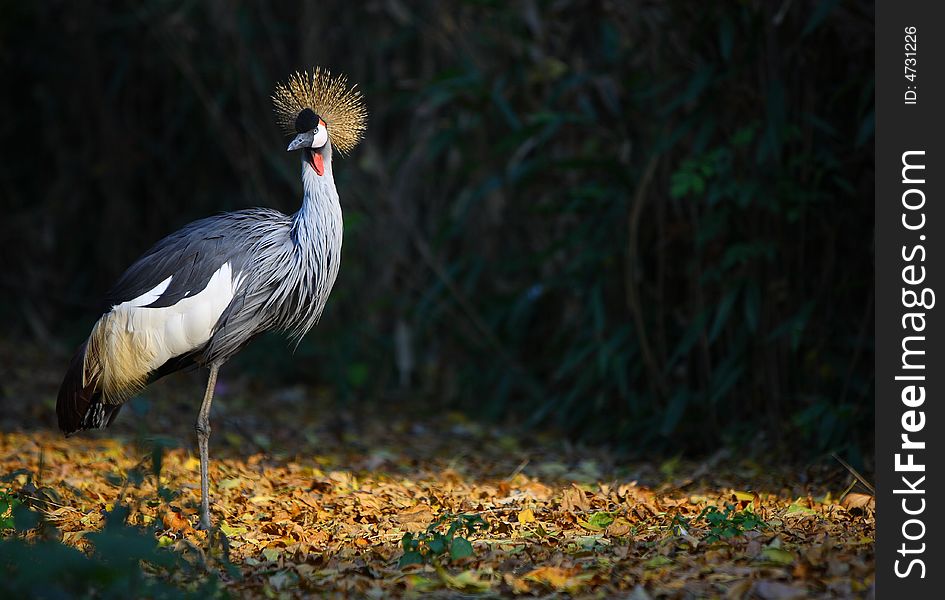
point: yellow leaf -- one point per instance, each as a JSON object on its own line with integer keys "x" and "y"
{"x": 227, "y": 484}
{"x": 797, "y": 509}
{"x": 231, "y": 531}
{"x": 467, "y": 581}
{"x": 777, "y": 556}
{"x": 560, "y": 579}
{"x": 526, "y": 516}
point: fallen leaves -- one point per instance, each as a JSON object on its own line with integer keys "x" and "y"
{"x": 466, "y": 581}
{"x": 415, "y": 519}
{"x": 861, "y": 501}
{"x": 526, "y": 516}
{"x": 559, "y": 579}
{"x": 333, "y": 523}
{"x": 173, "y": 521}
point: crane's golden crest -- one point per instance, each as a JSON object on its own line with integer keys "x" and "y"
{"x": 340, "y": 106}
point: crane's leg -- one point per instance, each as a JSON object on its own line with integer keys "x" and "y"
{"x": 203, "y": 439}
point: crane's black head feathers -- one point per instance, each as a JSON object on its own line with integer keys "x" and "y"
{"x": 327, "y": 97}
{"x": 306, "y": 121}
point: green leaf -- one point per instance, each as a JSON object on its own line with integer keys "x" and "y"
{"x": 437, "y": 545}
{"x": 798, "y": 509}
{"x": 600, "y": 520}
{"x": 410, "y": 558}
{"x": 230, "y": 530}
{"x": 271, "y": 554}
{"x": 460, "y": 548}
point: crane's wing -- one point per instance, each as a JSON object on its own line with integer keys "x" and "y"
{"x": 160, "y": 313}
{"x": 187, "y": 259}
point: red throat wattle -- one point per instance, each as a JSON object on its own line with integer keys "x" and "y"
{"x": 318, "y": 163}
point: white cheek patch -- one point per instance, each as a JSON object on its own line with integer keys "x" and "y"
{"x": 321, "y": 137}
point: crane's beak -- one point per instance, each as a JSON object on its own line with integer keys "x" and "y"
{"x": 302, "y": 140}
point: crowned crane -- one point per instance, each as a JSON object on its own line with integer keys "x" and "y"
{"x": 202, "y": 293}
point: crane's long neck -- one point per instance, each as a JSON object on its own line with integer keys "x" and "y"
{"x": 319, "y": 219}
{"x": 317, "y": 235}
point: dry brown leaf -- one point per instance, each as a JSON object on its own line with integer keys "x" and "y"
{"x": 855, "y": 500}
{"x": 416, "y": 514}
{"x": 174, "y": 521}
{"x": 574, "y": 501}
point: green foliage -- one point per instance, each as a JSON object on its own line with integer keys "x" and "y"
{"x": 730, "y": 522}
{"x": 8, "y": 503}
{"x": 722, "y": 524}
{"x": 124, "y": 561}
{"x": 434, "y": 546}
{"x": 600, "y": 520}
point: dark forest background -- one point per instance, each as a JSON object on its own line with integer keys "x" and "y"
{"x": 643, "y": 223}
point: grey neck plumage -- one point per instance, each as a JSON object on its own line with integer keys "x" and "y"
{"x": 317, "y": 230}
{"x": 320, "y": 205}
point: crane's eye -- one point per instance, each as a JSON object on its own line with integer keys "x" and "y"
{"x": 319, "y": 135}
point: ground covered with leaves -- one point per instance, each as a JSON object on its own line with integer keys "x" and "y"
{"x": 374, "y": 501}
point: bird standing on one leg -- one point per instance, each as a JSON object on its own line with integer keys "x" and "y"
{"x": 202, "y": 293}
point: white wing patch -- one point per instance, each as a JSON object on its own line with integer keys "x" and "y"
{"x": 148, "y": 297}
{"x": 145, "y": 338}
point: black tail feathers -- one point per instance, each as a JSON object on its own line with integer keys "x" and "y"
{"x": 79, "y": 406}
